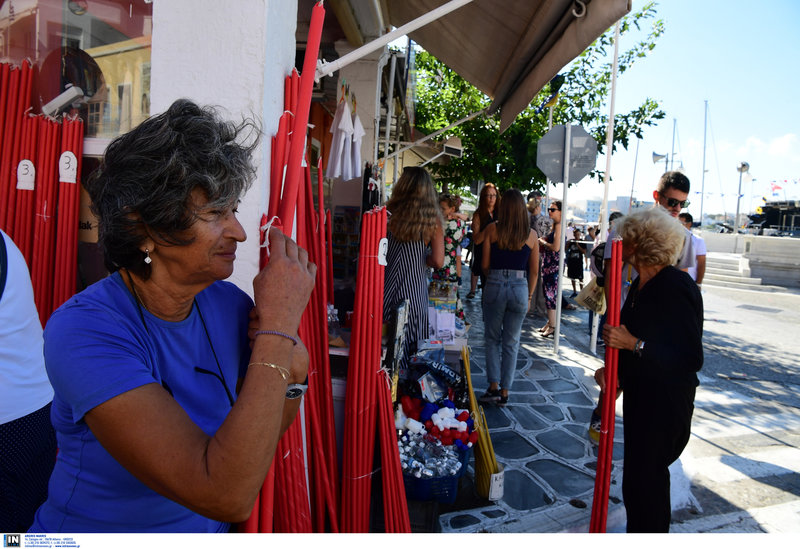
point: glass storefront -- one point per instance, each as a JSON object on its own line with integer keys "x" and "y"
{"x": 101, "y": 47}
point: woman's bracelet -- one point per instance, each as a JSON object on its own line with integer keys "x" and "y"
{"x": 281, "y": 370}
{"x": 279, "y": 334}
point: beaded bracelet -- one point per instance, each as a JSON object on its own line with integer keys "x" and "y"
{"x": 279, "y": 334}
{"x": 281, "y": 370}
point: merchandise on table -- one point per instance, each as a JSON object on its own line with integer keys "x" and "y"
{"x": 435, "y": 443}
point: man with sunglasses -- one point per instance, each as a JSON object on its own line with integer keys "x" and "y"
{"x": 671, "y": 194}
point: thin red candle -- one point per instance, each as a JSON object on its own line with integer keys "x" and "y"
{"x": 291, "y": 182}
{"x": 10, "y": 132}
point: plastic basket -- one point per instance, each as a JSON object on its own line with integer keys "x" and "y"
{"x": 441, "y": 489}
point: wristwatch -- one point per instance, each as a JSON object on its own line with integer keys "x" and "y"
{"x": 639, "y": 348}
{"x": 296, "y": 390}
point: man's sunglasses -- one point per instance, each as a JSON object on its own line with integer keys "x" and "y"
{"x": 552, "y": 209}
{"x": 672, "y": 202}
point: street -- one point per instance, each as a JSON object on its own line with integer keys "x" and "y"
{"x": 743, "y": 460}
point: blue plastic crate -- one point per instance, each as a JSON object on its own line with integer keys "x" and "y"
{"x": 441, "y": 489}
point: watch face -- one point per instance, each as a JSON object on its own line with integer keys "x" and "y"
{"x": 295, "y": 390}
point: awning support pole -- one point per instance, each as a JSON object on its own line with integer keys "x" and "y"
{"x": 609, "y": 144}
{"x": 388, "y": 128}
{"x": 327, "y": 69}
{"x": 437, "y": 133}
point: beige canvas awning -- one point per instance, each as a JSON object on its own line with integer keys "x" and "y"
{"x": 509, "y": 49}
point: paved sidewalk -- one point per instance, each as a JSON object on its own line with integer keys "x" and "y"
{"x": 540, "y": 437}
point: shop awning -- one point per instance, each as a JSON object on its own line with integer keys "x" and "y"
{"x": 509, "y": 49}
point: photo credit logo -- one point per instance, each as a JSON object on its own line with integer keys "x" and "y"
{"x": 12, "y": 540}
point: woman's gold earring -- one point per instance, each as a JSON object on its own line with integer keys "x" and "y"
{"x": 147, "y": 256}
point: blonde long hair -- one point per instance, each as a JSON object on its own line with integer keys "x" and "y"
{"x": 414, "y": 206}
{"x": 513, "y": 227}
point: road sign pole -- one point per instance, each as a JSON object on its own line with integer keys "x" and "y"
{"x": 562, "y": 238}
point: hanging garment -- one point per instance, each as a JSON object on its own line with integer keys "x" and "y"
{"x": 346, "y": 137}
{"x": 334, "y": 168}
{"x": 358, "y": 135}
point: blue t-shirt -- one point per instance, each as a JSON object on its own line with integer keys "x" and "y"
{"x": 97, "y": 347}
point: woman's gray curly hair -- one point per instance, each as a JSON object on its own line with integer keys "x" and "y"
{"x": 654, "y": 236}
{"x": 144, "y": 183}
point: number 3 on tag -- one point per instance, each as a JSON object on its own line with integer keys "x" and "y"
{"x": 26, "y": 175}
{"x": 68, "y": 167}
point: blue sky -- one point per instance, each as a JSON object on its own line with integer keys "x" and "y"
{"x": 743, "y": 58}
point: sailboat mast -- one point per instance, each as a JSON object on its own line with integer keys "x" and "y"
{"x": 703, "y": 176}
{"x": 672, "y": 152}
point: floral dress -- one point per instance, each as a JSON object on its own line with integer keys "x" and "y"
{"x": 454, "y": 231}
{"x": 549, "y": 273}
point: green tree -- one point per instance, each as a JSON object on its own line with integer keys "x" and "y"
{"x": 509, "y": 160}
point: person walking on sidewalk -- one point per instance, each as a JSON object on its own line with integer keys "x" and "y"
{"x": 661, "y": 351}
{"x": 576, "y": 251}
{"x": 511, "y": 264}
{"x": 549, "y": 248}
{"x": 483, "y": 216}
{"x": 541, "y": 225}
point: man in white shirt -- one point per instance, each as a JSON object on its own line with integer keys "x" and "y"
{"x": 698, "y": 271}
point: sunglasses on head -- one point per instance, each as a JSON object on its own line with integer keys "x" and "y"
{"x": 672, "y": 202}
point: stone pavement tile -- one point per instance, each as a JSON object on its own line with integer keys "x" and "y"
{"x": 562, "y": 444}
{"x": 510, "y": 445}
{"x": 523, "y": 493}
{"x": 563, "y": 479}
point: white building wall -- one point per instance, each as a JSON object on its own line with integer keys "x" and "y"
{"x": 234, "y": 55}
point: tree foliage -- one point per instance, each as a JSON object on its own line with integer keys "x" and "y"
{"x": 509, "y": 159}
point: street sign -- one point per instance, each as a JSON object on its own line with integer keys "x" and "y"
{"x": 582, "y": 154}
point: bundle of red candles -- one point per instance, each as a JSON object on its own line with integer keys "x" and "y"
{"x": 40, "y": 170}
{"x": 368, "y": 388}
{"x": 602, "y": 481}
{"x": 307, "y": 482}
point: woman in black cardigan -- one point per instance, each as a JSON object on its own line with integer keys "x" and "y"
{"x": 661, "y": 351}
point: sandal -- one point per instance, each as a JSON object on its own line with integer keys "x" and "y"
{"x": 470, "y": 295}
{"x": 544, "y": 328}
{"x": 549, "y": 333}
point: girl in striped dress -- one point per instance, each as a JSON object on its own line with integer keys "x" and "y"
{"x": 416, "y": 242}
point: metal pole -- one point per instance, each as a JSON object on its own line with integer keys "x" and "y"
{"x": 547, "y": 181}
{"x": 738, "y": 197}
{"x": 609, "y": 144}
{"x": 389, "y": 110}
{"x": 376, "y": 121}
{"x": 562, "y": 239}
{"x": 327, "y": 69}
{"x": 633, "y": 179}
{"x": 437, "y": 133}
{"x": 703, "y": 177}
{"x": 672, "y": 151}
{"x": 742, "y": 167}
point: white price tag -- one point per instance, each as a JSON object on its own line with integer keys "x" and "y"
{"x": 383, "y": 248}
{"x": 26, "y": 175}
{"x": 68, "y": 167}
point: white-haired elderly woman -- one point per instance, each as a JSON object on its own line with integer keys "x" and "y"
{"x": 661, "y": 351}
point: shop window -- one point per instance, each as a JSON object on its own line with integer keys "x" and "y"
{"x": 99, "y": 46}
